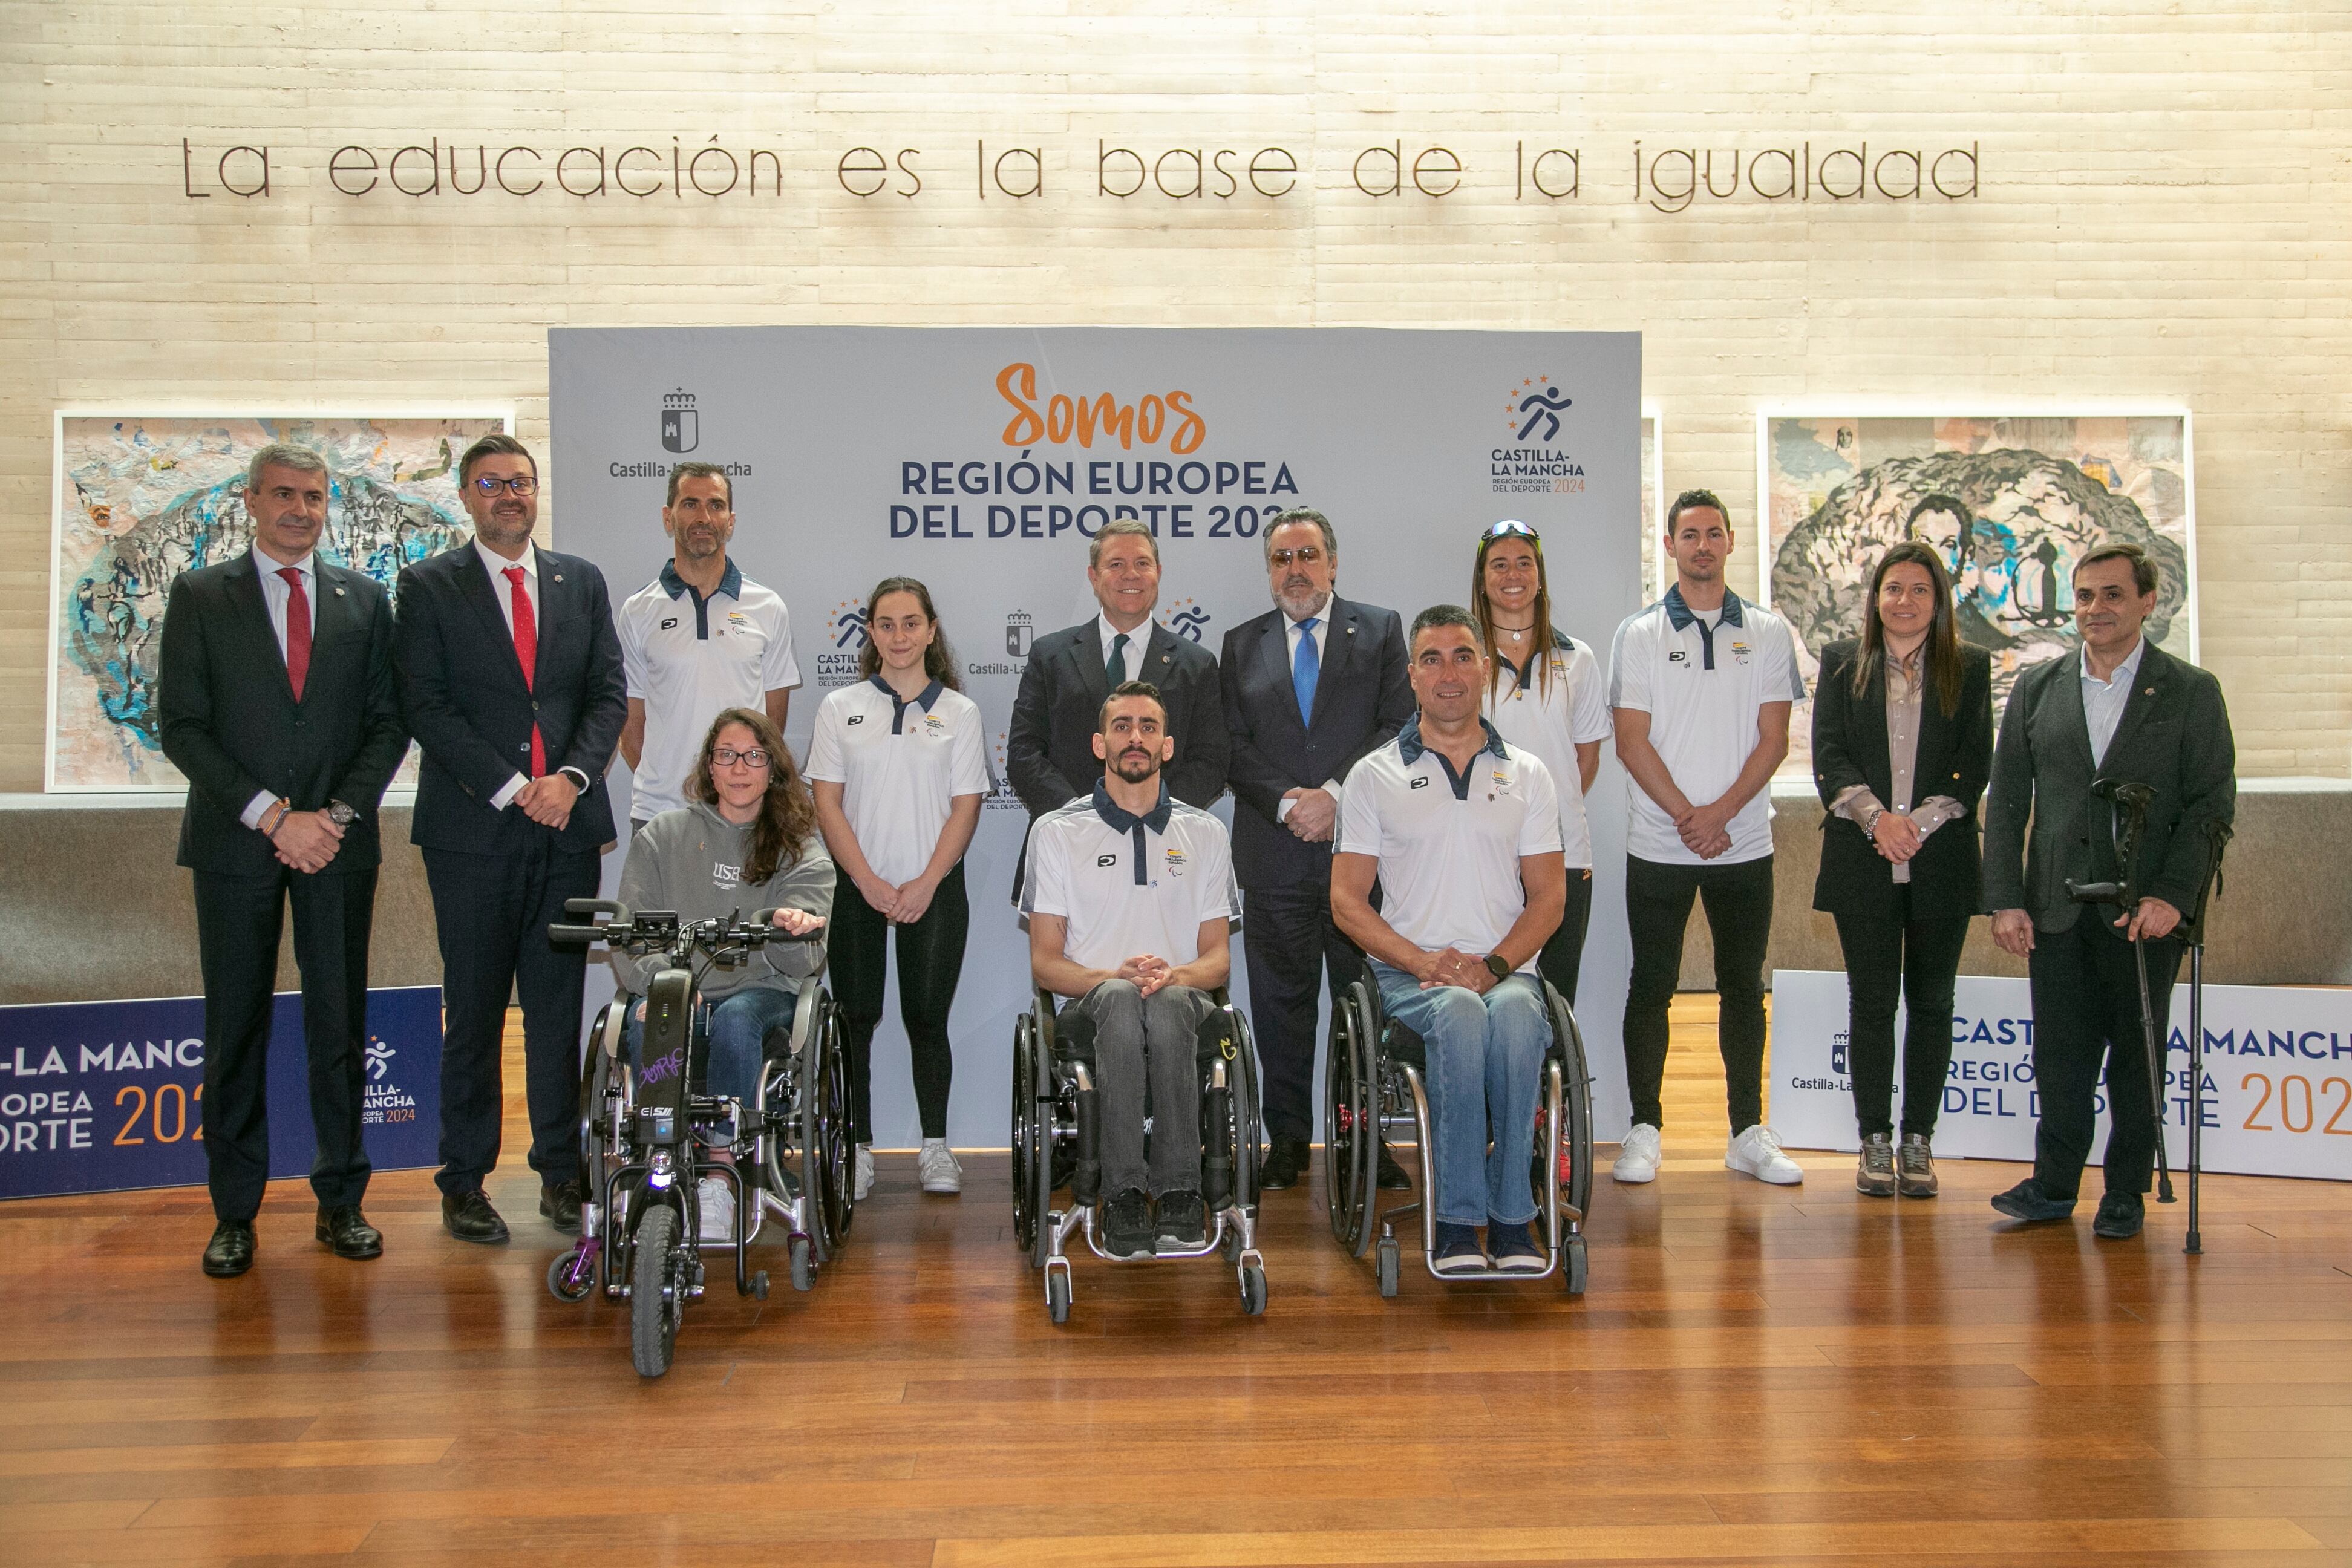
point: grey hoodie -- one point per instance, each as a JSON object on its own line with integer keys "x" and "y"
{"x": 691, "y": 861}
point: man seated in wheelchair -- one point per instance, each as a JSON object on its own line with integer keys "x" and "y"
{"x": 1462, "y": 834}
{"x": 1130, "y": 902}
{"x": 748, "y": 841}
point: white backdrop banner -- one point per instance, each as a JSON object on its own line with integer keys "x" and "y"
{"x": 2277, "y": 1085}
{"x": 982, "y": 459}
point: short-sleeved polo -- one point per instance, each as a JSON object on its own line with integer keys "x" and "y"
{"x": 689, "y": 659}
{"x": 1131, "y": 885}
{"x": 1550, "y": 707}
{"x": 1449, "y": 845}
{"x": 900, "y": 766}
{"x": 1702, "y": 680}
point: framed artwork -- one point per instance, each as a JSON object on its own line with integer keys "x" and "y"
{"x": 1653, "y": 509}
{"x": 2012, "y": 501}
{"x": 142, "y": 497}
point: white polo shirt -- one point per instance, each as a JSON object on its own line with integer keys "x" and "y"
{"x": 1131, "y": 885}
{"x": 689, "y": 660}
{"x": 1549, "y": 711}
{"x": 1449, "y": 847}
{"x": 1702, "y": 679}
{"x": 900, "y": 766}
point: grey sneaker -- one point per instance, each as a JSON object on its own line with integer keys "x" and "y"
{"x": 1915, "y": 1167}
{"x": 1874, "y": 1175}
{"x": 937, "y": 1167}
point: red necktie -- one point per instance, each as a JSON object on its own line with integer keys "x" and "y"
{"x": 298, "y": 630}
{"x": 526, "y": 636}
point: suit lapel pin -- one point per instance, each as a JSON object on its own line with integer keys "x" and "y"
{"x": 339, "y": 592}
{"x": 559, "y": 576}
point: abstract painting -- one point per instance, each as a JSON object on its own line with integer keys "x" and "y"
{"x": 142, "y": 498}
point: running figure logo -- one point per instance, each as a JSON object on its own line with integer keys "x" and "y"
{"x": 1187, "y": 619}
{"x": 379, "y": 1058}
{"x": 849, "y": 625}
{"x": 1540, "y": 405}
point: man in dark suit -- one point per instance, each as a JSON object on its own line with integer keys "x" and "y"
{"x": 1049, "y": 752}
{"x": 511, "y": 672}
{"x": 2127, "y": 712}
{"x": 280, "y": 704}
{"x": 1309, "y": 687}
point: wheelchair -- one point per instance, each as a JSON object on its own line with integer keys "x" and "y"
{"x": 1056, "y": 1134}
{"x": 1374, "y": 1085}
{"x": 647, "y": 1133}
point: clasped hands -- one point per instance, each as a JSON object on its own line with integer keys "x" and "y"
{"x": 1896, "y": 836}
{"x": 1452, "y": 966}
{"x": 1146, "y": 973}
{"x": 903, "y": 904}
{"x": 548, "y": 801}
{"x": 305, "y": 840}
{"x": 1706, "y": 829}
{"x": 1313, "y": 815}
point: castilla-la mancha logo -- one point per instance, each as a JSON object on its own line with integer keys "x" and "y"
{"x": 1185, "y": 618}
{"x": 845, "y": 637}
{"x": 1533, "y": 460}
{"x": 1019, "y": 630}
{"x": 681, "y": 427}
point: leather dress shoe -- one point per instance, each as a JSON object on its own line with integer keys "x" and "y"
{"x": 470, "y": 1217}
{"x": 559, "y": 1202}
{"x": 230, "y": 1251}
{"x": 2119, "y": 1216}
{"x": 345, "y": 1229}
{"x": 2027, "y": 1201}
{"x": 1285, "y": 1164}
{"x": 1391, "y": 1176}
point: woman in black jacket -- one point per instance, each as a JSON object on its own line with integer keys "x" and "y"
{"x": 1901, "y": 749}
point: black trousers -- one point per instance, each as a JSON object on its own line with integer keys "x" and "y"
{"x": 2086, "y": 1014}
{"x": 1738, "y": 904}
{"x": 1915, "y": 959}
{"x": 930, "y": 962}
{"x": 238, "y": 921}
{"x": 1562, "y": 958}
{"x": 492, "y": 912}
{"x": 1292, "y": 947}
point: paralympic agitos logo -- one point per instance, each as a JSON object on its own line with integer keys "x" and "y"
{"x": 1083, "y": 417}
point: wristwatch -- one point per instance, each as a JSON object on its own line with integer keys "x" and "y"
{"x": 1870, "y": 823}
{"x": 1499, "y": 966}
{"x": 339, "y": 814}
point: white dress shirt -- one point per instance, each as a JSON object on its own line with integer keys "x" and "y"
{"x": 2104, "y": 700}
{"x": 276, "y": 593}
{"x": 1137, "y": 640}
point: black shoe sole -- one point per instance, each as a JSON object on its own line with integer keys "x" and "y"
{"x": 226, "y": 1273}
{"x": 328, "y": 1241}
{"x": 2040, "y": 1216}
{"x": 1274, "y": 1182}
{"x": 498, "y": 1238}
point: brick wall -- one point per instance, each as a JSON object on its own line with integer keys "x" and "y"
{"x": 2162, "y": 214}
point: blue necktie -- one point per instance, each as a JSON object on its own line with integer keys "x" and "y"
{"x": 1304, "y": 668}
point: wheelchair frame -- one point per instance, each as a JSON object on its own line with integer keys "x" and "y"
{"x": 1055, "y": 1122}
{"x": 639, "y": 1159}
{"x": 1369, "y": 1089}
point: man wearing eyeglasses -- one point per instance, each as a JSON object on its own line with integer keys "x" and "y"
{"x": 510, "y": 671}
{"x": 1309, "y": 687}
{"x": 699, "y": 640}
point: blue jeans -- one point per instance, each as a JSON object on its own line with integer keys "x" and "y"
{"x": 1486, "y": 1060}
{"x": 740, "y": 1022}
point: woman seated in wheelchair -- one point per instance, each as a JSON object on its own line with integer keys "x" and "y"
{"x": 749, "y": 841}
{"x": 1463, "y": 833}
{"x": 1130, "y": 902}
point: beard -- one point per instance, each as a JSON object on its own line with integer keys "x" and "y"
{"x": 1136, "y": 767}
{"x": 1299, "y": 603}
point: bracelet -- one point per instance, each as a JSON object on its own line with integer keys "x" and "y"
{"x": 285, "y": 809}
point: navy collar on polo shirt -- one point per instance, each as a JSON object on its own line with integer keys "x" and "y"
{"x": 1682, "y": 617}
{"x": 1121, "y": 820}
{"x": 731, "y": 584}
{"x": 1410, "y": 747}
{"x": 923, "y": 698}
{"x": 1560, "y": 642}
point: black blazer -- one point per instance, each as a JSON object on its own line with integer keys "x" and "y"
{"x": 1955, "y": 759}
{"x": 1049, "y": 750}
{"x": 2174, "y": 736}
{"x": 230, "y": 721}
{"x": 1361, "y": 699}
{"x": 470, "y": 711}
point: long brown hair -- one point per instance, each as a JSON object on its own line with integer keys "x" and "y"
{"x": 1539, "y": 642}
{"x": 787, "y": 813}
{"x": 1943, "y": 643}
{"x": 938, "y": 659}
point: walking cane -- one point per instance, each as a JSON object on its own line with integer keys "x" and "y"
{"x": 2217, "y": 838}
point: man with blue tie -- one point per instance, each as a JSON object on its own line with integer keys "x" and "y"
{"x": 1309, "y": 687}
{"x": 510, "y": 671}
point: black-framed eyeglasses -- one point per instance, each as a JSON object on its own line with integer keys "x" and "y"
{"x": 521, "y": 484}
{"x": 1510, "y": 528}
{"x": 728, "y": 756}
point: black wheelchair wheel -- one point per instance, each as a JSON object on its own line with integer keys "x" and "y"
{"x": 1253, "y": 1285}
{"x": 1027, "y": 1216}
{"x": 602, "y": 1087}
{"x": 571, "y": 1276}
{"x": 1058, "y": 1295}
{"x": 825, "y": 1153}
{"x": 1575, "y": 1118}
{"x": 1350, "y": 1138}
{"x": 1249, "y": 1150}
{"x": 653, "y": 1308}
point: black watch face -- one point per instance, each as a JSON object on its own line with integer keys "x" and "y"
{"x": 1499, "y": 966}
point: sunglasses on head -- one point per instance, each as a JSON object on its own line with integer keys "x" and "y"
{"x": 1510, "y": 528}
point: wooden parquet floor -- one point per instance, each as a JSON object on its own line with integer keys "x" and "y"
{"x": 1755, "y": 1375}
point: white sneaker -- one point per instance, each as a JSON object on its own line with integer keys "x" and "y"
{"x": 717, "y": 1199}
{"x": 865, "y": 1174}
{"x": 938, "y": 1168}
{"x": 1637, "y": 1157}
{"x": 1756, "y": 1152}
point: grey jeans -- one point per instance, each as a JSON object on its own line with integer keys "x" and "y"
{"x": 1141, "y": 1038}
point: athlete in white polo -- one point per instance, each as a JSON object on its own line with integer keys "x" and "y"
{"x": 1130, "y": 902}
{"x": 1702, "y": 683}
{"x": 699, "y": 640}
{"x": 1462, "y": 831}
